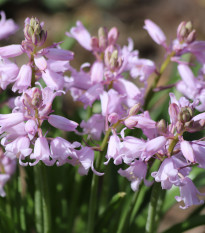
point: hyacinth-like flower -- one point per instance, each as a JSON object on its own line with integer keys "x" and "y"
{"x": 47, "y": 63}
{"x": 164, "y": 142}
{"x": 105, "y": 81}
{"x": 184, "y": 43}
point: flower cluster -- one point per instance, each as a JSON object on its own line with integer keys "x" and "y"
{"x": 111, "y": 82}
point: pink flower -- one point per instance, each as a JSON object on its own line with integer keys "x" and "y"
{"x": 155, "y": 32}
{"x": 23, "y": 79}
{"x": 135, "y": 173}
{"x": 8, "y": 27}
{"x": 81, "y": 34}
{"x": 62, "y": 123}
{"x": 189, "y": 193}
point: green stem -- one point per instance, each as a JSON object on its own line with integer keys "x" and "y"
{"x": 45, "y": 200}
{"x": 38, "y": 200}
{"x": 94, "y": 186}
{"x": 125, "y": 219}
{"x": 150, "y": 93}
{"x": 151, "y": 225}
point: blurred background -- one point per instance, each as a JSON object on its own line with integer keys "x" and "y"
{"x": 128, "y": 15}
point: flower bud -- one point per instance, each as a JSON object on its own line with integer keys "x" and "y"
{"x": 185, "y": 114}
{"x": 135, "y": 109}
{"x": 33, "y": 31}
{"x": 103, "y": 37}
{"x": 161, "y": 126}
{"x": 130, "y": 122}
{"x": 173, "y": 112}
{"x": 185, "y": 32}
{"x": 113, "y": 118}
{"x": 37, "y": 98}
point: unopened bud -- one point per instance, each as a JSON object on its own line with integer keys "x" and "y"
{"x": 113, "y": 118}
{"x": 130, "y": 122}
{"x": 161, "y": 126}
{"x": 135, "y": 109}
{"x": 179, "y": 126}
{"x": 185, "y": 32}
{"x": 33, "y": 31}
{"x": 185, "y": 114}
{"x": 174, "y": 112}
{"x": 103, "y": 37}
{"x": 114, "y": 59}
{"x": 191, "y": 37}
{"x": 37, "y": 98}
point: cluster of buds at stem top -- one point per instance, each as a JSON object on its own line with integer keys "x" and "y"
{"x": 34, "y": 33}
{"x": 186, "y": 33}
{"x": 104, "y": 39}
{"x": 112, "y": 59}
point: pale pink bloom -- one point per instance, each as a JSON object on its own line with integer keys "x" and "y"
{"x": 8, "y": 26}
{"x": 94, "y": 127}
{"x": 81, "y": 34}
{"x": 19, "y": 148}
{"x": 85, "y": 159}
{"x": 23, "y": 80}
{"x": 96, "y": 75}
{"x": 53, "y": 80}
{"x": 188, "y": 194}
{"x": 57, "y": 54}
{"x": 40, "y": 62}
{"x": 168, "y": 172}
{"x": 113, "y": 150}
{"x": 61, "y": 150}
{"x": 31, "y": 128}
{"x": 62, "y": 123}
{"x": 41, "y": 152}
{"x": 131, "y": 148}
{"x": 135, "y": 173}
{"x": 58, "y": 66}
{"x": 113, "y": 118}
{"x": 187, "y": 151}
{"x": 155, "y": 32}
{"x": 9, "y": 120}
{"x": 8, "y": 72}
{"x": 153, "y": 146}
{"x": 199, "y": 152}
{"x": 11, "y": 51}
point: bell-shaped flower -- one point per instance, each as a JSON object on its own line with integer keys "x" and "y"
{"x": 9, "y": 120}
{"x": 113, "y": 150}
{"x": 53, "y": 80}
{"x": 23, "y": 80}
{"x": 62, "y": 123}
{"x": 187, "y": 151}
{"x": 199, "y": 152}
{"x": 96, "y": 75}
{"x": 188, "y": 194}
{"x": 84, "y": 159}
{"x": 31, "y": 128}
{"x": 153, "y": 146}
{"x": 11, "y": 51}
{"x": 168, "y": 172}
{"x": 41, "y": 152}
{"x": 8, "y": 72}
{"x": 58, "y": 54}
{"x": 61, "y": 150}
{"x": 135, "y": 173}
